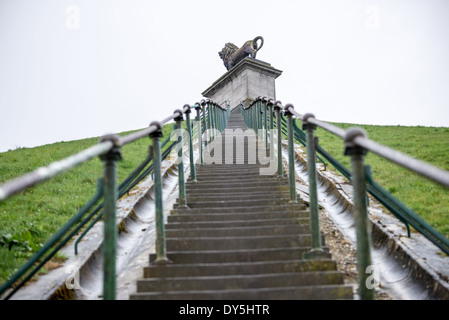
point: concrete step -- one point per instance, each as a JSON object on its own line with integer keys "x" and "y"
{"x": 254, "y": 178}
{"x": 229, "y": 256}
{"x": 245, "y": 209}
{"x": 239, "y": 282}
{"x": 231, "y": 174}
{"x": 255, "y": 170}
{"x": 216, "y": 166}
{"x": 231, "y": 184}
{"x": 323, "y": 292}
{"x": 237, "y": 243}
{"x": 283, "y": 196}
{"x": 237, "y": 268}
{"x": 238, "y": 231}
{"x": 201, "y": 189}
{"x": 218, "y": 169}
{"x": 231, "y": 203}
{"x": 234, "y": 216}
{"x": 236, "y": 223}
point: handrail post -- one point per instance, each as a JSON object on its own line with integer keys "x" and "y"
{"x": 228, "y": 112}
{"x": 270, "y": 106}
{"x": 316, "y": 252}
{"x": 257, "y": 106}
{"x": 211, "y": 124}
{"x": 261, "y": 116}
{"x": 265, "y": 112}
{"x": 182, "y": 201}
{"x": 256, "y": 128}
{"x": 291, "y": 154}
{"x": 212, "y": 119}
{"x": 252, "y": 109}
{"x": 215, "y": 117}
{"x": 248, "y": 112}
{"x": 110, "y": 210}
{"x": 250, "y": 116}
{"x": 161, "y": 250}
{"x": 203, "y": 109}
{"x": 221, "y": 118}
{"x": 200, "y": 133}
{"x": 258, "y": 117}
{"x": 360, "y": 210}
{"x": 277, "y": 109}
{"x": 189, "y": 128}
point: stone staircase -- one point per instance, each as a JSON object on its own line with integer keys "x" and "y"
{"x": 239, "y": 238}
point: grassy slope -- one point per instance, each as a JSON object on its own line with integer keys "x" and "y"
{"x": 32, "y": 216}
{"x": 430, "y": 144}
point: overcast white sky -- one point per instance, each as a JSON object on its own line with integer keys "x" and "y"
{"x": 75, "y": 69}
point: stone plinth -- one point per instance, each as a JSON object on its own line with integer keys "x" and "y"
{"x": 246, "y": 81}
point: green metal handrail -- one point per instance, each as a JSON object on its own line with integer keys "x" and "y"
{"x": 356, "y": 146}
{"x": 108, "y": 150}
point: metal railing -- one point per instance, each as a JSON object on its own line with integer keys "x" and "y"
{"x": 265, "y": 113}
{"x": 209, "y": 115}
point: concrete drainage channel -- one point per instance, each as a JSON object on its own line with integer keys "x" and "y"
{"x": 406, "y": 268}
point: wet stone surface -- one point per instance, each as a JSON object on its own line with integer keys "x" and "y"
{"x": 344, "y": 253}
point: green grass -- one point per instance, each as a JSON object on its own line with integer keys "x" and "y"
{"x": 430, "y": 144}
{"x": 30, "y": 218}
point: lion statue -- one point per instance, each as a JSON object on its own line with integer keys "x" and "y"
{"x": 231, "y": 54}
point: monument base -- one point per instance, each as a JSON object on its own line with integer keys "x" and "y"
{"x": 246, "y": 81}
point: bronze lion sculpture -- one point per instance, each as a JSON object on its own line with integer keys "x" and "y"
{"x": 231, "y": 54}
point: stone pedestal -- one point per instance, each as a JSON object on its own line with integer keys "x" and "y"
{"x": 246, "y": 81}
